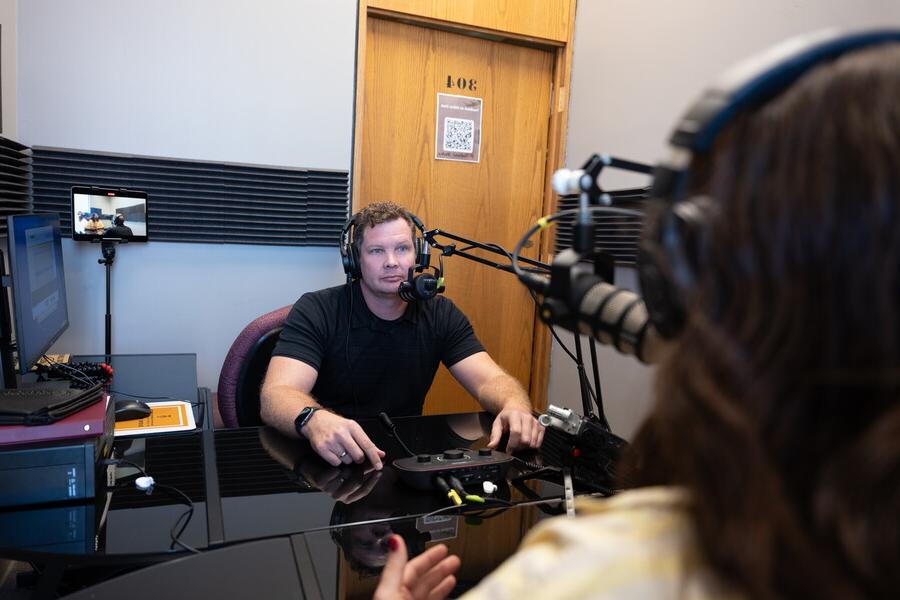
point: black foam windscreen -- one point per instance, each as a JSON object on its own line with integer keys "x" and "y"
{"x": 424, "y": 286}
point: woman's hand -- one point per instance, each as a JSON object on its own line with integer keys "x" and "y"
{"x": 427, "y": 576}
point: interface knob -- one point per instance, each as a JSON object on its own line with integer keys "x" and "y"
{"x": 423, "y": 458}
{"x": 453, "y": 454}
{"x": 484, "y": 452}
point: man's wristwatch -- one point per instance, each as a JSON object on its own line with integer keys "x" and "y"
{"x": 303, "y": 418}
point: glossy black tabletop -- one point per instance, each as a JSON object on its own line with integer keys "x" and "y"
{"x": 217, "y": 489}
{"x": 271, "y": 484}
{"x": 266, "y": 485}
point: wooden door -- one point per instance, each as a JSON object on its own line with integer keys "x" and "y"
{"x": 492, "y": 201}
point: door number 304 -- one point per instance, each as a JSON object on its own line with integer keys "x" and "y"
{"x": 462, "y": 83}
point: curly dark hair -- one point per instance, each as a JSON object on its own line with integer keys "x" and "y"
{"x": 779, "y": 405}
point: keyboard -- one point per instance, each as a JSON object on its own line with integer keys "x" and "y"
{"x": 34, "y": 392}
{"x": 44, "y": 403}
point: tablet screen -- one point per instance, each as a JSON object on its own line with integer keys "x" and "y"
{"x": 108, "y": 213}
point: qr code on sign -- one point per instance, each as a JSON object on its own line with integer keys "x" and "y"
{"x": 459, "y": 135}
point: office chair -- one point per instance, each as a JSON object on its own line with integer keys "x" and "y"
{"x": 245, "y": 367}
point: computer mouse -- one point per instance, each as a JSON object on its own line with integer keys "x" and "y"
{"x": 127, "y": 410}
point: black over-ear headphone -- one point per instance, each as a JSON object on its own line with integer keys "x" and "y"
{"x": 671, "y": 249}
{"x": 417, "y": 287}
{"x": 349, "y": 254}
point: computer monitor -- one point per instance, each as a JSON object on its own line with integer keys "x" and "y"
{"x": 38, "y": 289}
{"x": 108, "y": 214}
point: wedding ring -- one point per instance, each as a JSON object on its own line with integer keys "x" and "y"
{"x": 342, "y": 454}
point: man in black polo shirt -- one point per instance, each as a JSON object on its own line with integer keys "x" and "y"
{"x": 119, "y": 229}
{"x": 359, "y": 349}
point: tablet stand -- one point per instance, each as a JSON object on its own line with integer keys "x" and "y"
{"x": 108, "y": 250}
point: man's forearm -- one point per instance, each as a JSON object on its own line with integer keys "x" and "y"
{"x": 501, "y": 391}
{"x": 280, "y": 405}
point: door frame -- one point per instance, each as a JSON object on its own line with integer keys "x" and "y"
{"x": 556, "y": 137}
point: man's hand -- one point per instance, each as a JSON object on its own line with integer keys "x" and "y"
{"x": 344, "y": 484}
{"x": 338, "y": 440}
{"x": 524, "y": 430}
{"x": 429, "y": 575}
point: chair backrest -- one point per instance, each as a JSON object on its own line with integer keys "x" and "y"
{"x": 245, "y": 368}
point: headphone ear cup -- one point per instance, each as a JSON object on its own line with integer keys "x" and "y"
{"x": 349, "y": 256}
{"x": 355, "y": 269}
{"x": 350, "y": 262}
{"x": 665, "y": 306}
{"x": 422, "y": 258}
{"x": 669, "y": 260}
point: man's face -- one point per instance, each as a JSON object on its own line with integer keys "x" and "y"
{"x": 385, "y": 255}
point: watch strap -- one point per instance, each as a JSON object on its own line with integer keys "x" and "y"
{"x": 304, "y": 417}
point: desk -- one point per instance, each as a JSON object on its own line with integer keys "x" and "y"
{"x": 62, "y": 535}
{"x": 155, "y": 376}
{"x": 252, "y": 484}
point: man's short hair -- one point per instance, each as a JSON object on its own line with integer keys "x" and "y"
{"x": 376, "y": 214}
{"x": 120, "y": 219}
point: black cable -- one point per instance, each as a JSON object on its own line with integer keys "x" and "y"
{"x": 598, "y": 399}
{"x": 79, "y": 375}
{"x": 579, "y": 365}
{"x": 500, "y": 249}
{"x": 544, "y": 222}
{"x": 538, "y": 474}
{"x": 530, "y": 465}
{"x": 457, "y": 485}
{"x": 461, "y": 509}
{"x": 392, "y": 429}
{"x": 347, "y": 349}
{"x": 537, "y": 303}
{"x": 188, "y": 513}
{"x": 120, "y": 393}
{"x": 195, "y": 404}
{"x": 552, "y": 329}
{"x": 593, "y": 392}
{"x": 169, "y": 488}
{"x": 86, "y": 379}
{"x": 131, "y": 464}
{"x": 531, "y": 282}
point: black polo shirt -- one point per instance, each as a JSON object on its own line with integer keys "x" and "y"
{"x": 366, "y": 364}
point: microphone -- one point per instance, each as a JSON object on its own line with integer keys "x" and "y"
{"x": 569, "y": 181}
{"x": 575, "y": 181}
{"x": 424, "y": 286}
{"x": 578, "y": 299}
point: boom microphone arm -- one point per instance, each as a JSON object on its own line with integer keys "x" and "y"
{"x": 534, "y": 267}
{"x": 452, "y": 250}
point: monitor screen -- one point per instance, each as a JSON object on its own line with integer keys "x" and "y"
{"x": 38, "y": 284}
{"x": 108, "y": 213}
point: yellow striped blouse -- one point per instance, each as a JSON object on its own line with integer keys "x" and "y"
{"x": 638, "y": 544}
